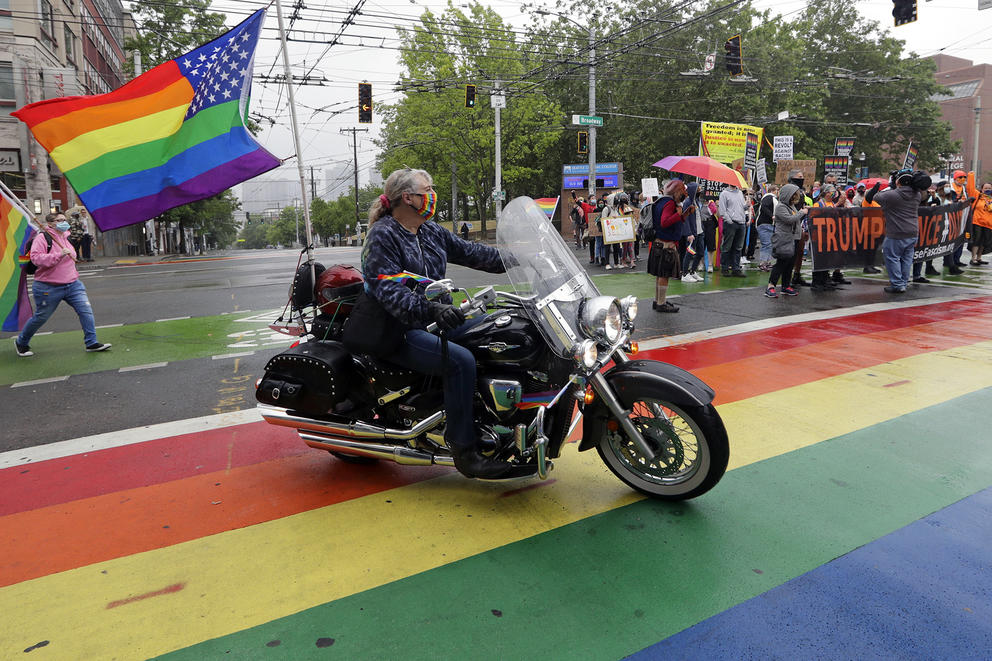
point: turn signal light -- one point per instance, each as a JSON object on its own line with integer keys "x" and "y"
{"x": 634, "y": 348}
{"x": 589, "y": 396}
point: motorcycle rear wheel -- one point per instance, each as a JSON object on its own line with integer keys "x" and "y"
{"x": 693, "y": 443}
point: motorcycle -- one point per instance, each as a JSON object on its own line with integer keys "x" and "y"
{"x": 552, "y": 345}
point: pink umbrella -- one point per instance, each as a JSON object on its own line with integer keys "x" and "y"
{"x": 703, "y": 167}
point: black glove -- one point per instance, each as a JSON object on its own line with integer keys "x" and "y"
{"x": 447, "y": 317}
{"x": 870, "y": 195}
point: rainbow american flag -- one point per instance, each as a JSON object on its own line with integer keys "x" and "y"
{"x": 171, "y": 136}
{"x": 16, "y": 235}
{"x": 548, "y": 205}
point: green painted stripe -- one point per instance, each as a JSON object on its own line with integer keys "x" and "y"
{"x": 615, "y": 583}
{"x": 206, "y": 124}
{"x": 61, "y": 354}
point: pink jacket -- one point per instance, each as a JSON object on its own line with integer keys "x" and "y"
{"x": 54, "y": 267}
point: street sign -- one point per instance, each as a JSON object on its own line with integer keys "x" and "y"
{"x": 497, "y": 100}
{"x": 586, "y": 120}
{"x": 499, "y": 195}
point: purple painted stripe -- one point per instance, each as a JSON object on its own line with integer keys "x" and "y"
{"x": 209, "y": 183}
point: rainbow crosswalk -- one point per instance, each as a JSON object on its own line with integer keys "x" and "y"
{"x": 240, "y": 542}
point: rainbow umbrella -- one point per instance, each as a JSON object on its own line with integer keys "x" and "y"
{"x": 703, "y": 167}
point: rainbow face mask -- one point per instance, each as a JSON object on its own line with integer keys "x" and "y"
{"x": 429, "y": 206}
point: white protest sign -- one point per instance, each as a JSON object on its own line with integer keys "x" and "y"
{"x": 617, "y": 229}
{"x": 782, "y": 148}
{"x": 762, "y": 176}
{"x": 650, "y": 187}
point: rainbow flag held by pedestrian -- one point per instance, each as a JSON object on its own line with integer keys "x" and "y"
{"x": 16, "y": 235}
{"x": 548, "y": 205}
{"x": 171, "y": 136}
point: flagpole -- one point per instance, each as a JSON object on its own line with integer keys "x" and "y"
{"x": 17, "y": 201}
{"x": 296, "y": 142}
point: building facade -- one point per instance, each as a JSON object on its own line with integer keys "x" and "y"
{"x": 969, "y": 115}
{"x": 50, "y": 49}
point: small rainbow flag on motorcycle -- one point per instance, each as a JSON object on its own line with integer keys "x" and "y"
{"x": 16, "y": 235}
{"x": 536, "y": 399}
{"x": 548, "y": 205}
{"x": 171, "y": 136}
{"x": 405, "y": 275}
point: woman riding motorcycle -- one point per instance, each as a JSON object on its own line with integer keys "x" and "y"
{"x": 401, "y": 238}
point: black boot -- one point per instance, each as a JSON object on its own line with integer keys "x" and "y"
{"x": 838, "y": 277}
{"x": 930, "y": 270}
{"x": 471, "y": 463}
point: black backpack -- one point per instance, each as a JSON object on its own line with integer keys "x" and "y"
{"x": 31, "y": 267}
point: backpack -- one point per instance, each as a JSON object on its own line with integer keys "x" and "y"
{"x": 31, "y": 267}
{"x": 646, "y": 222}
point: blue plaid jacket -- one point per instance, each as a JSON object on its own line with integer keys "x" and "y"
{"x": 390, "y": 249}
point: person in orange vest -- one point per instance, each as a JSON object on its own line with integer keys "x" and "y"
{"x": 981, "y": 220}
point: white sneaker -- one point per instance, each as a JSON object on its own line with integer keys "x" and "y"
{"x": 688, "y": 277}
{"x": 709, "y": 269}
{"x": 744, "y": 261}
{"x": 698, "y": 277}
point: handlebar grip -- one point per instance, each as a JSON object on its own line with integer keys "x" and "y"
{"x": 465, "y": 307}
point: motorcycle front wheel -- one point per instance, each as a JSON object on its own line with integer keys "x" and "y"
{"x": 691, "y": 446}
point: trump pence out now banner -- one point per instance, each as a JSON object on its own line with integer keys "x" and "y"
{"x": 848, "y": 237}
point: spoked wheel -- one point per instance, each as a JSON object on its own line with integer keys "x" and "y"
{"x": 691, "y": 449}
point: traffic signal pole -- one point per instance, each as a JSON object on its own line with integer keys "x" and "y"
{"x": 592, "y": 107}
{"x": 499, "y": 164}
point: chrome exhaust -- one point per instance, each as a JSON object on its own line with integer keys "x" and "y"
{"x": 398, "y": 454}
{"x": 351, "y": 430}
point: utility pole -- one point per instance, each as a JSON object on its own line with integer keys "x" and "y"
{"x": 499, "y": 164}
{"x": 313, "y": 186}
{"x": 975, "y": 161}
{"x": 354, "y": 143}
{"x": 592, "y": 106}
{"x": 454, "y": 196}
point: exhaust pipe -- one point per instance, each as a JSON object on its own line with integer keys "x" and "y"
{"x": 360, "y": 431}
{"x": 400, "y": 455}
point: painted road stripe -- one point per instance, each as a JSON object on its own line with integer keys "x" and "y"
{"x": 615, "y": 583}
{"x": 158, "y": 321}
{"x": 38, "y": 382}
{"x": 454, "y": 517}
{"x": 126, "y": 437}
{"x": 774, "y": 322}
{"x": 110, "y": 326}
{"x": 840, "y": 605}
{"x": 234, "y": 355}
{"x": 98, "y": 475}
{"x": 149, "y": 366}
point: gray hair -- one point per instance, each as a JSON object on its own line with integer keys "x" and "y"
{"x": 399, "y": 182}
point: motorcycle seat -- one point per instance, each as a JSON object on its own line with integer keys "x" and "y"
{"x": 384, "y": 373}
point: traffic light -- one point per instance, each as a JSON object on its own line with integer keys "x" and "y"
{"x": 364, "y": 103}
{"x": 904, "y": 11}
{"x": 583, "y": 142}
{"x": 470, "y": 96}
{"x": 248, "y": 217}
{"x": 734, "y": 57}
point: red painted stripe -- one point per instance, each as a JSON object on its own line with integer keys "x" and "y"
{"x": 152, "y": 81}
{"x": 756, "y": 343}
{"x": 30, "y": 486}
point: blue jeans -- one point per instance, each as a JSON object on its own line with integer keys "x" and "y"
{"x": 898, "y": 254}
{"x": 47, "y": 297}
{"x": 421, "y": 352}
{"x": 765, "y": 236}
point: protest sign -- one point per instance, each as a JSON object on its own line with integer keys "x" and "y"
{"x": 843, "y": 237}
{"x": 837, "y": 166}
{"x": 760, "y": 174}
{"x": 808, "y": 168}
{"x": 911, "y": 153}
{"x": 751, "y": 144}
{"x": 843, "y": 146}
{"x": 650, "y": 187}
{"x": 782, "y": 148}
{"x": 725, "y": 142}
{"x": 617, "y": 229}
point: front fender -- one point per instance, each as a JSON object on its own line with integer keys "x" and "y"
{"x": 639, "y": 378}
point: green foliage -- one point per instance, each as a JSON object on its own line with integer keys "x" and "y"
{"x": 212, "y": 217}
{"x": 169, "y": 28}
{"x": 282, "y": 231}
{"x": 255, "y": 235}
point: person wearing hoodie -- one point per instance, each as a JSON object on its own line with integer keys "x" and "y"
{"x": 900, "y": 207}
{"x": 764, "y": 223}
{"x": 788, "y": 215}
{"x": 57, "y": 280}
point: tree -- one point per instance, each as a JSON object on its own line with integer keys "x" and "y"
{"x": 431, "y": 129}
{"x": 283, "y": 229}
{"x": 169, "y": 28}
{"x": 254, "y": 235}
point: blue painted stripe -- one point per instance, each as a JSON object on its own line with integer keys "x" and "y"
{"x": 923, "y": 591}
{"x": 191, "y": 163}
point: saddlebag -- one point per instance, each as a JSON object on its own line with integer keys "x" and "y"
{"x": 311, "y": 378}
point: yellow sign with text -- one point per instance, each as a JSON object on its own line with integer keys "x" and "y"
{"x": 726, "y": 142}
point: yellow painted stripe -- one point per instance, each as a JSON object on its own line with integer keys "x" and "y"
{"x": 138, "y": 131}
{"x": 326, "y": 554}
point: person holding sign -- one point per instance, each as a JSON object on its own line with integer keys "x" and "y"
{"x": 900, "y": 206}
{"x": 663, "y": 260}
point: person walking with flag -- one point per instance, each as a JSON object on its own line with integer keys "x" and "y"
{"x": 57, "y": 280}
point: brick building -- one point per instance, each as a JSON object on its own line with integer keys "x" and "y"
{"x": 967, "y": 112}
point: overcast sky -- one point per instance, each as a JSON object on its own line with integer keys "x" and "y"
{"x": 955, "y": 27}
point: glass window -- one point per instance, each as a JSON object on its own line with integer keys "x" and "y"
{"x": 6, "y": 81}
{"x": 70, "y": 44}
{"x": 47, "y": 18}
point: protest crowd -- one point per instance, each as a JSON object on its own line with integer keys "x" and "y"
{"x": 689, "y": 231}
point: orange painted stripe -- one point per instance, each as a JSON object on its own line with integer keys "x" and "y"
{"x": 84, "y": 531}
{"x": 150, "y": 82}
{"x": 60, "y": 537}
{"x": 60, "y": 130}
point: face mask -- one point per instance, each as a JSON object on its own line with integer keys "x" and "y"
{"x": 62, "y": 225}
{"x": 429, "y": 205}
{"x": 987, "y": 192}
{"x": 947, "y": 190}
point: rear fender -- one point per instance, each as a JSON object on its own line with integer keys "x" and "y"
{"x": 643, "y": 378}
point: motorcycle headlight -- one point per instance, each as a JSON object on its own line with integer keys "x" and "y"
{"x": 600, "y": 319}
{"x": 586, "y": 353}
{"x": 629, "y": 305}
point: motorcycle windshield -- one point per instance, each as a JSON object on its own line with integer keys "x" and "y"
{"x": 542, "y": 268}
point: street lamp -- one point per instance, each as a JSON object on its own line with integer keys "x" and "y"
{"x": 592, "y": 89}
{"x": 861, "y": 166}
